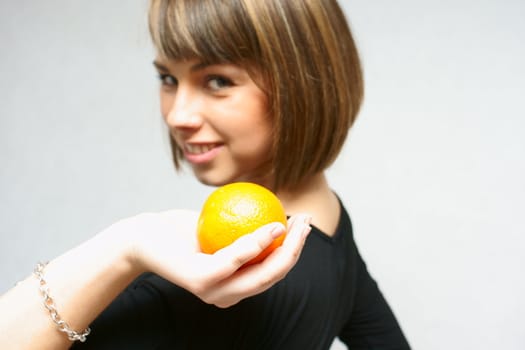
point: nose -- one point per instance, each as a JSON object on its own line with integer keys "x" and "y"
{"x": 184, "y": 110}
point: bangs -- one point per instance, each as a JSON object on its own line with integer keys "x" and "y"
{"x": 300, "y": 53}
{"x": 208, "y": 30}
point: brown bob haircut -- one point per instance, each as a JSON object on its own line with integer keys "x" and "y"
{"x": 305, "y": 54}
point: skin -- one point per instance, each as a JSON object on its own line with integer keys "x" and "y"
{"x": 84, "y": 280}
{"x": 220, "y": 116}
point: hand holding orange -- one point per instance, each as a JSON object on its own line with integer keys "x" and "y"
{"x": 234, "y": 210}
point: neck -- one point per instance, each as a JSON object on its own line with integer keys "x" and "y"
{"x": 313, "y": 196}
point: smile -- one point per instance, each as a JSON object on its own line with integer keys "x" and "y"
{"x": 199, "y": 149}
{"x": 201, "y": 153}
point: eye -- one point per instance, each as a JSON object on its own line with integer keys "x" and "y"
{"x": 167, "y": 80}
{"x": 217, "y": 82}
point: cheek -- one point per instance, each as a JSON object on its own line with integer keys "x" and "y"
{"x": 256, "y": 137}
{"x": 165, "y": 105}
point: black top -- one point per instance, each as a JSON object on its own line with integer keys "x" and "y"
{"x": 328, "y": 294}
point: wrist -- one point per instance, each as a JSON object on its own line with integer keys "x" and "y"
{"x": 124, "y": 248}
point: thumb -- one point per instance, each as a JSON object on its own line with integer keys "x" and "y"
{"x": 250, "y": 245}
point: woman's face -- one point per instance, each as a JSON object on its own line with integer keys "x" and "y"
{"x": 219, "y": 117}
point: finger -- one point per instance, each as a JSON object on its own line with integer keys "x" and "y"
{"x": 299, "y": 228}
{"x": 285, "y": 257}
{"x": 207, "y": 270}
{"x": 225, "y": 262}
{"x": 258, "y": 278}
{"x": 249, "y": 246}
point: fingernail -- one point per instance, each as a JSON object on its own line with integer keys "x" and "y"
{"x": 306, "y": 231}
{"x": 307, "y": 219}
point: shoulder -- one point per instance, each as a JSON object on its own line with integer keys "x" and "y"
{"x": 326, "y": 214}
{"x": 333, "y": 221}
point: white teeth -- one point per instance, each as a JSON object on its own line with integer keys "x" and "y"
{"x": 198, "y": 149}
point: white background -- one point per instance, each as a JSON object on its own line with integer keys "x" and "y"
{"x": 433, "y": 173}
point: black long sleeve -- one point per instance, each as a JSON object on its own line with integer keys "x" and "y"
{"x": 328, "y": 294}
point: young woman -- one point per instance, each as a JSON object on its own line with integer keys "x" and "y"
{"x": 251, "y": 90}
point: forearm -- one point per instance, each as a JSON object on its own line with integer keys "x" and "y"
{"x": 82, "y": 282}
{"x": 85, "y": 280}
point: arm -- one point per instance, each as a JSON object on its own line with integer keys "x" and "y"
{"x": 372, "y": 323}
{"x": 86, "y": 279}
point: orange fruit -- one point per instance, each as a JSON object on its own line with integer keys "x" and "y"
{"x": 234, "y": 210}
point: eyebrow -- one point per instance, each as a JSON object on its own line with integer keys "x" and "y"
{"x": 195, "y": 67}
{"x": 159, "y": 66}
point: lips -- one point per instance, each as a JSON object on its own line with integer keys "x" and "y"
{"x": 201, "y": 153}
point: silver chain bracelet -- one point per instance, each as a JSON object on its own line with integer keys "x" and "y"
{"x": 50, "y": 306}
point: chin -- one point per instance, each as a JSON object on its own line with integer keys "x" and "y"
{"x": 213, "y": 180}
{"x": 217, "y": 178}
